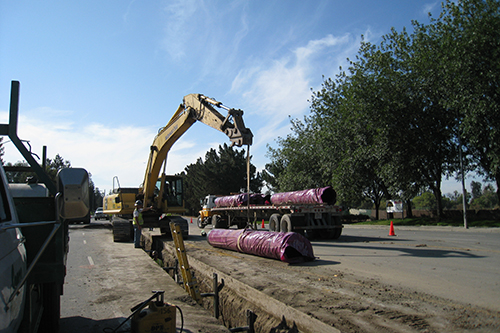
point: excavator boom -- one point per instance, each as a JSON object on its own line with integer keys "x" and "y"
{"x": 195, "y": 107}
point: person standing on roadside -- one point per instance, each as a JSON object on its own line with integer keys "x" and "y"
{"x": 138, "y": 222}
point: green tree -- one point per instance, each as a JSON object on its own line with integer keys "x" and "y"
{"x": 296, "y": 164}
{"x": 223, "y": 171}
{"x": 18, "y": 176}
{"x": 476, "y": 189}
{"x": 486, "y": 200}
{"x": 54, "y": 165}
{"x": 466, "y": 39}
{"x": 426, "y": 200}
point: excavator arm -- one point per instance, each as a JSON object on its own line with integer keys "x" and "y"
{"x": 195, "y": 107}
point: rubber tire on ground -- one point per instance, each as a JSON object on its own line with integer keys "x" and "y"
{"x": 311, "y": 234}
{"x": 286, "y": 223}
{"x": 274, "y": 222}
{"x": 51, "y": 307}
{"x": 335, "y": 234}
{"x": 218, "y": 222}
{"x": 199, "y": 222}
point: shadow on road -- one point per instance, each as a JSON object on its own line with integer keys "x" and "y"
{"x": 317, "y": 262}
{"x": 80, "y": 324}
{"x": 365, "y": 239}
{"x": 412, "y": 250}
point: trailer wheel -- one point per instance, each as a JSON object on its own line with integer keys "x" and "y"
{"x": 286, "y": 223}
{"x": 200, "y": 222}
{"x": 335, "y": 234}
{"x": 218, "y": 222}
{"x": 274, "y": 222}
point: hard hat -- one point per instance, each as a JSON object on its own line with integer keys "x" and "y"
{"x": 138, "y": 203}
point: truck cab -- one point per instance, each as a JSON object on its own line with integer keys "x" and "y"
{"x": 205, "y": 214}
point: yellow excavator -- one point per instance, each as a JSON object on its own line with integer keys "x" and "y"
{"x": 165, "y": 193}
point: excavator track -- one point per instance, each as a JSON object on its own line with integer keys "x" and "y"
{"x": 122, "y": 229}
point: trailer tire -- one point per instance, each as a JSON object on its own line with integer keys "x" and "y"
{"x": 200, "y": 222}
{"x": 335, "y": 234}
{"x": 274, "y": 222}
{"x": 286, "y": 223}
{"x": 218, "y": 222}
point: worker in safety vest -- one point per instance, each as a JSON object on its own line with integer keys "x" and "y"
{"x": 138, "y": 222}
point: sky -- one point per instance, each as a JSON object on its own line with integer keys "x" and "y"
{"x": 99, "y": 78}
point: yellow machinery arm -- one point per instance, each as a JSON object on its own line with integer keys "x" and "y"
{"x": 195, "y": 107}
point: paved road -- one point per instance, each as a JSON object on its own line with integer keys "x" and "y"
{"x": 105, "y": 279}
{"x": 454, "y": 263}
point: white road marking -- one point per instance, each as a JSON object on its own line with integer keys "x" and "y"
{"x": 91, "y": 262}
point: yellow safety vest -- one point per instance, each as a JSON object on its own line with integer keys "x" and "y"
{"x": 140, "y": 219}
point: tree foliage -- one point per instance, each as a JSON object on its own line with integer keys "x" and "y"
{"x": 223, "y": 171}
{"x": 51, "y": 168}
{"x": 393, "y": 124}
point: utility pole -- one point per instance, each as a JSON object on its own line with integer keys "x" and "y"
{"x": 464, "y": 191}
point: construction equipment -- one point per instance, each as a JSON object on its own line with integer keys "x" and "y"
{"x": 311, "y": 213}
{"x": 34, "y": 238}
{"x": 165, "y": 193}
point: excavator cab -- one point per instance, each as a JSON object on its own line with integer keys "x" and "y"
{"x": 171, "y": 194}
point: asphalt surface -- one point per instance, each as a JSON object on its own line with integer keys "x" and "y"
{"x": 105, "y": 280}
{"x": 451, "y": 262}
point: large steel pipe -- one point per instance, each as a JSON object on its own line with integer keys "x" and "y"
{"x": 240, "y": 199}
{"x": 289, "y": 247}
{"x": 323, "y": 195}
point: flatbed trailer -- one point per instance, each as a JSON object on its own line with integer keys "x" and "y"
{"x": 313, "y": 221}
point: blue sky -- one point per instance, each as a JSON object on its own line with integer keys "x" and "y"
{"x": 99, "y": 78}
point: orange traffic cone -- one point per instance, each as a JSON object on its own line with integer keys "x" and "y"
{"x": 391, "y": 230}
{"x": 263, "y": 224}
{"x": 191, "y": 220}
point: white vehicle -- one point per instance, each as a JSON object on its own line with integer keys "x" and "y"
{"x": 99, "y": 214}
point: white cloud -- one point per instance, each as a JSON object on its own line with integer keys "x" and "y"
{"x": 104, "y": 151}
{"x": 283, "y": 88}
{"x": 178, "y": 26}
{"x": 429, "y": 8}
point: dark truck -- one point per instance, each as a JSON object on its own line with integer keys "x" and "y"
{"x": 34, "y": 238}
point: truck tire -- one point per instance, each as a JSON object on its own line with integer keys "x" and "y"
{"x": 201, "y": 225}
{"x": 286, "y": 223}
{"x": 274, "y": 222}
{"x": 335, "y": 233}
{"x": 218, "y": 222}
{"x": 51, "y": 294}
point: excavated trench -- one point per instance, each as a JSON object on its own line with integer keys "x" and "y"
{"x": 236, "y": 299}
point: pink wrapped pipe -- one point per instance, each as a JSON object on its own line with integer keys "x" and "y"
{"x": 239, "y": 200}
{"x": 323, "y": 195}
{"x": 289, "y": 247}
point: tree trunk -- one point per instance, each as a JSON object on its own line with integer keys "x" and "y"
{"x": 439, "y": 203}
{"x": 409, "y": 212}
{"x": 497, "y": 181}
{"x": 377, "y": 206}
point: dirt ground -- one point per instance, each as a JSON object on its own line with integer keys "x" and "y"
{"x": 347, "y": 302}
